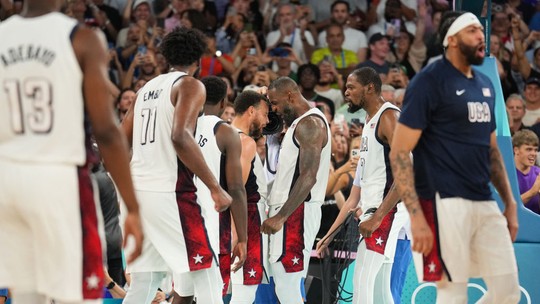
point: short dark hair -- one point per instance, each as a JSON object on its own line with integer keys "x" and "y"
{"x": 283, "y": 83}
{"x": 446, "y": 21}
{"x": 182, "y": 47}
{"x": 340, "y": 2}
{"x": 197, "y": 19}
{"x": 367, "y": 75}
{"x": 308, "y": 67}
{"x": 216, "y": 89}
{"x": 247, "y": 99}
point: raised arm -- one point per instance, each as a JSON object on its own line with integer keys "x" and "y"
{"x": 188, "y": 97}
{"x": 311, "y": 136}
{"x": 403, "y": 142}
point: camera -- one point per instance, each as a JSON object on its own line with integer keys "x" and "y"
{"x": 275, "y": 124}
{"x": 279, "y": 52}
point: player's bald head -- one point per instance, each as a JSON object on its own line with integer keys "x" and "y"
{"x": 284, "y": 84}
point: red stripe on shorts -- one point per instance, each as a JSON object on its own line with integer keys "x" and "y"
{"x": 433, "y": 264}
{"x": 92, "y": 279}
{"x": 253, "y": 267}
{"x": 379, "y": 237}
{"x": 198, "y": 247}
{"x": 225, "y": 270}
{"x": 293, "y": 241}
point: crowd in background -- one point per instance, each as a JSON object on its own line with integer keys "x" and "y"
{"x": 317, "y": 43}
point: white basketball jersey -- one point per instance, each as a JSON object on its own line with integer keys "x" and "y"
{"x": 373, "y": 174}
{"x": 42, "y": 115}
{"x": 288, "y": 170}
{"x": 205, "y": 136}
{"x": 154, "y": 164}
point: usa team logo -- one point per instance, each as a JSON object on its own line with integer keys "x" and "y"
{"x": 486, "y": 92}
{"x": 479, "y": 111}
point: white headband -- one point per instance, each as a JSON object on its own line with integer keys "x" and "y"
{"x": 460, "y": 23}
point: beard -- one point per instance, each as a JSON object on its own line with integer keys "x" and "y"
{"x": 354, "y": 107}
{"x": 289, "y": 115}
{"x": 255, "y": 130}
{"x": 470, "y": 54}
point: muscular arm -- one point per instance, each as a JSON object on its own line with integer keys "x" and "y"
{"x": 387, "y": 125}
{"x": 499, "y": 178}
{"x": 99, "y": 105}
{"x": 188, "y": 98}
{"x": 229, "y": 143}
{"x": 403, "y": 142}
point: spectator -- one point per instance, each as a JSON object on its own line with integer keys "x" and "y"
{"x": 433, "y": 47}
{"x": 3, "y": 296}
{"x": 214, "y": 61}
{"x": 379, "y": 48}
{"x": 397, "y": 76}
{"x": 387, "y": 92}
{"x": 247, "y": 45}
{"x": 282, "y": 56}
{"x": 532, "y": 101}
{"x": 208, "y": 10}
{"x": 410, "y": 50}
{"x": 515, "y": 106}
{"x": 343, "y": 59}
{"x": 300, "y": 39}
{"x": 525, "y": 144}
{"x": 125, "y": 99}
{"x": 308, "y": 77}
{"x": 172, "y": 14}
{"x": 329, "y": 76}
{"x": 227, "y": 36}
{"x": 192, "y": 18}
{"x": 355, "y": 40}
{"x": 228, "y": 113}
{"x": 399, "y": 94}
{"x": 387, "y": 16}
{"x": 107, "y": 18}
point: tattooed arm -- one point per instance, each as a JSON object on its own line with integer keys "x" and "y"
{"x": 499, "y": 178}
{"x": 404, "y": 141}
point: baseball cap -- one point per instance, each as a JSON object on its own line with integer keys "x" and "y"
{"x": 376, "y": 37}
{"x": 139, "y": 2}
{"x": 533, "y": 80}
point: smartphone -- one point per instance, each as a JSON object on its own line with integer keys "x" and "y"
{"x": 396, "y": 23}
{"x": 160, "y": 22}
{"x": 142, "y": 49}
{"x": 356, "y": 122}
{"x": 252, "y": 51}
{"x": 261, "y": 68}
{"x": 248, "y": 27}
{"x": 355, "y": 153}
{"x": 279, "y": 52}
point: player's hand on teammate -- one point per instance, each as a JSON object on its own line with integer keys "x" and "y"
{"x": 273, "y": 224}
{"x": 133, "y": 227}
{"x": 367, "y": 227}
{"x": 422, "y": 241}
{"x": 239, "y": 255}
{"x": 510, "y": 213}
{"x": 222, "y": 200}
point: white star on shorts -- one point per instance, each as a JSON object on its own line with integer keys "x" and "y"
{"x": 92, "y": 282}
{"x": 198, "y": 258}
{"x": 252, "y": 273}
{"x": 432, "y": 267}
{"x": 295, "y": 260}
{"x": 379, "y": 241}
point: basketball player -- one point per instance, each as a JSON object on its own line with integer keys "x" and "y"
{"x": 298, "y": 189}
{"x": 251, "y": 110}
{"x": 221, "y": 148}
{"x": 373, "y": 191}
{"x": 46, "y": 194}
{"x": 448, "y": 124}
{"x": 161, "y": 124}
